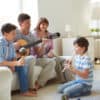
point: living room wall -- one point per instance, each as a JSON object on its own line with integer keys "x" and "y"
{"x": 76, "y": 13}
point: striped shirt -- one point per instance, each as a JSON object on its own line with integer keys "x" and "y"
{"x": 7, "y": 51}
{"x": 81, "y": 63}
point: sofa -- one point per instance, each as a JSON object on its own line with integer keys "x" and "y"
{"x": 5, "y": 83}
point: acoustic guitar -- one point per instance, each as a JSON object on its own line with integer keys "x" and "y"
{"x": 25, "y": 52}
{"x": 24, "y": 46}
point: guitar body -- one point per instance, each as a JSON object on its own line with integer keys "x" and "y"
{"x": 24, "y": 45}
{"x": 23, "y": 42}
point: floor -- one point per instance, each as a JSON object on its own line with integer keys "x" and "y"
{"x": 50, "y": 92}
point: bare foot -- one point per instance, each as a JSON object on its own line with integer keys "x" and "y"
{"x": 33, "y": 91}
{"x": 37, "y": 86}
{"x": 28, "y": 93}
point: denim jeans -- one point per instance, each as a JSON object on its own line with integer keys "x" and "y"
{"x": 74, "y": 88}
{"x": 23, "y": 78}
{"x": 26, "y": 73}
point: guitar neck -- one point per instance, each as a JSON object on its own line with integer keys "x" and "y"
{"x": 32, "y": 44}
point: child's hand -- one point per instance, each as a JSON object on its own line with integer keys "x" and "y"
{"x": 17, "y": 45}
{"x": 12, "y": 69}
{"x": 68, "y": 61}
{"x": 67, "y": 65}
{"x": 21, "y": 62}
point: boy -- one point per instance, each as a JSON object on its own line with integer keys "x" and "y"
{"x": 83, "y": 71}
{"x": 23, "y": 33}
{"x": 8, "y": 55}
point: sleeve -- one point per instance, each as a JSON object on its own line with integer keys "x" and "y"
{"x": 87, "y": 63}
{"x": 2, "y": 55}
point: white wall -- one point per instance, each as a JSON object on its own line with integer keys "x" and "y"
{"x": 76, "y": 13}
{"x": 62, "y": 12}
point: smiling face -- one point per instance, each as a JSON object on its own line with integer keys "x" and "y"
{"x": 43, "y": 27}
{"x": 79, "y": 50}
{"x": 25, "y": 25}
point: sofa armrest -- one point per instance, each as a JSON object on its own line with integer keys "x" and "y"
{"x": 5, "y": 83}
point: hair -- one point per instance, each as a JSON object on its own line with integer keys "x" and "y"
{"x": 8, "y": 27}
{"x": 41, "y": 20}
{"x": 22, "y": 17}
{"x": 82, "y": 42}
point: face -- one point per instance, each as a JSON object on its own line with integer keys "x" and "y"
{"x": 43, "y": 27}
{"x": 11, "y": 35}
{"x": 26, "y": 25}
{"x": 79, "y": 50}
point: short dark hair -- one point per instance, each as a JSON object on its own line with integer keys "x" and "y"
{"x": 22, "y": 17}
{"x": 82, "y": 42}
{"x": 8, "y": 27}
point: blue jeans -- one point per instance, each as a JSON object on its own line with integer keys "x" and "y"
{"x": 23, "y": 78}
{"x": 74, "y": 89}
{"x": 23, "y": 71}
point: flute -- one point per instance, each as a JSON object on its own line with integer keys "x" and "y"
{"x": 68, "y": 64}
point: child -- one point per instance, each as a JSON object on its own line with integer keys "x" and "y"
{"x": 7, "y": 57}
{"x": 83, "y": 71}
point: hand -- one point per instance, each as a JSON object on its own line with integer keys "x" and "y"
{"x": 21, "y": 62}
{"x": 44, "y": 41}
{"x": 17, "y": 45}
{"x": 67, "y": 65}
{"x": 68, "y": 61}
{"x": 50, "y": 54}
{"x": 12, "y": 69}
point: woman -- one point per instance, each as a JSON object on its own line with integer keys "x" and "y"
{"x": 45, "y": 49}
{"x": 43, "y": 53}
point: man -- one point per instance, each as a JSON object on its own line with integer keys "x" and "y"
{"x": 24, "y": 33}
{"x": 23, "y": 36}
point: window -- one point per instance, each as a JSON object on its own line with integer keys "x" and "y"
{"x": 94, "y": 1}
{"x": 95, "y": 17}
{"x": 10, "y": 9}
{"x": 32, "y": 9}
